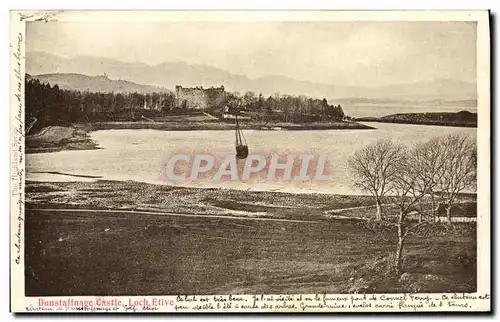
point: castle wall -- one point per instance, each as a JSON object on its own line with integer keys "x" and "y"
{"x": 198, "y": 97}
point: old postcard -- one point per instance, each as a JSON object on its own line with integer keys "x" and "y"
{"x": 261, "y": 161}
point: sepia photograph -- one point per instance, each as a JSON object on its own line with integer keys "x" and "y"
{"x": 273, "y": 154}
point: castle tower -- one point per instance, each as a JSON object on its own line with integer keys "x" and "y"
{"x": 178, "y": 94}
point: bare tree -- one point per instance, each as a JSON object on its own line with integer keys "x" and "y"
{"x": 443, "y": 166}
{"x": 431, "y": 159}
{"x": 439, "y": 168}
{"x": 374, "y": 168}
{"x": 459, "y": 170}
{"x": 411, "y": 186}
{"x": 408, "y": 189}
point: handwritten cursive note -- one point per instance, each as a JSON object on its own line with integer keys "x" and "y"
{"x": 17, "y": 153}
{"x": 326, "y": 302}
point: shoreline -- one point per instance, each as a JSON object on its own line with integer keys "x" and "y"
{"x": 140, "y": 196}
{"x": 56, "y": 138}
{"x": 447, "y": 124}
{"x": 59, "y": 138}
{"x": 459, "y": 119}
{"x": 110, "y": 195}
{"x": 75, "y": 136}
{"x": 218, "y": 125}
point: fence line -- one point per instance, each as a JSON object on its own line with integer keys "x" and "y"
{"x": 455, "y": 219}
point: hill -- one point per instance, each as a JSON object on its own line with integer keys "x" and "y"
{"x": 461, "y": 119}
{"x": 169, "y": 74}
{"x": 103, "y": 84}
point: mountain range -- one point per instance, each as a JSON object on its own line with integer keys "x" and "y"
{"x": 103, "y": 84}
{"x": 87, "y": 72}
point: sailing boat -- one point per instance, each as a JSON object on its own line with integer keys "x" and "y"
{"x": 241, "y": 142}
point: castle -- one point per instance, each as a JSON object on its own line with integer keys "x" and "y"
{"x": 199, "y": 97}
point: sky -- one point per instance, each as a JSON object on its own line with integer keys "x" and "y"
{"x": 347, "y": 53}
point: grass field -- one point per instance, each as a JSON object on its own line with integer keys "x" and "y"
{"x": 89, "y": 253}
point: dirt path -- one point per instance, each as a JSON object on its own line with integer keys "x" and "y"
{"x": 169, "y": 214}
{"x": 350, "y": 208}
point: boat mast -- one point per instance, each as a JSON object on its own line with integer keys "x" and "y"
{"x": 238, "y": 135}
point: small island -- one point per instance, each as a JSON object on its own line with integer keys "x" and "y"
{"x": 459, "y": 119}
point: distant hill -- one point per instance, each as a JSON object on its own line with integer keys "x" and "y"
{"x": 460, "y": 119}
{"x": 401, "y": 102}
{"x": 167, "y": 75}
{"x": 79, "y": 82}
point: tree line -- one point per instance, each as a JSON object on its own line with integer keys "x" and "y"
{"x": 412, "y": 182}
{"x": 285, "y": 108}
{"x": 50, "y": 105}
